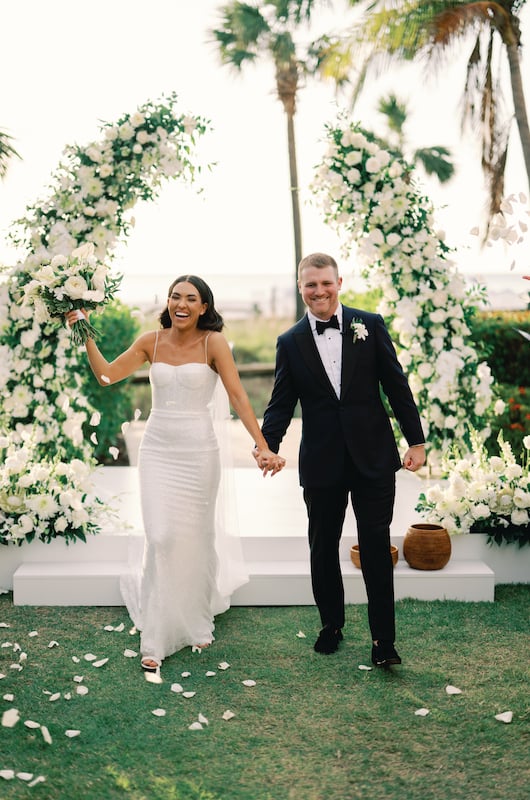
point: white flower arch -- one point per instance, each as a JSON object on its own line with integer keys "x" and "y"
{"x": 369, "y": 197}
{"x": 43, "y": 489}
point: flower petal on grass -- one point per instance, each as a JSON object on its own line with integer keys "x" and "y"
{"x": 202, "y": 719}
{"x": 301, "y": 635}
{"x": 153, "y": 677}
{"x": 506, "y": 716}
{"x": 2, "y": 675}
{"x": 82, "y": 690}
{"x": 159, "y": 712}
{"x": 129, "y": 653}
{"x": 7, "y": 774}
{"x": 10, "y": 717}
{"x": 119, "y": 628}
{"x": 108, "y": 628}
{"x": 31, "y": 634}
{"x": 46, "y": 734}
{"x": 79, "y": 678}
{"x": 89, "y": 657}
{"x": 100, "y": 663}
{"x": 195, "y": 726}
{"x": 196, "y": 649}
{"x": 187, "y": 695}
{"x": 177, "y": 688}
{"x": 186, "y": 674}
{"x": 53, "y": 697}
{"x": 24, "y": 776}
{"x": 38, "y": 779}
{"x": 76, "y": 660}
{"x": 18, "y": 667}
{"x": 210, "y": 673}
{"x": 29, "y": 723}
{"x": 9, "y": 697}
{"x": 365, "y": 667}
{"x": 5, "y": 625}
{"x": 67, "y": 696}
{"x": 248, "y": 682}
{"x": 453, "y": 690}
{"x": 422, "y": 712}
{"x": 53, "y": 643}
{"x": 223, "y": 665}
{"x": 72, "y": 733}
{"x": 227, "y": 715}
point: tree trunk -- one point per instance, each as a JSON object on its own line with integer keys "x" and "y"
{"x": 519, "y": 103}
{"x": 295, "y": 204}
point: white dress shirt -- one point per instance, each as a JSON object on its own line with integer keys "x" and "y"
{"x": 329, "y": 346}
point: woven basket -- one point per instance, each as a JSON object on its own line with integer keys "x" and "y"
{"x": 427, "y": 546}
{"x": 356, "y": 556}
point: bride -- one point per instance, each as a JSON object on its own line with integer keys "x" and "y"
{"x": 173, "y": 599}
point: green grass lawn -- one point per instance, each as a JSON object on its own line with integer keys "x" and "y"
{"x": 312, "y": 728}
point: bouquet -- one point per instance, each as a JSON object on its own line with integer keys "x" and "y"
{"x": 69, "y": 283}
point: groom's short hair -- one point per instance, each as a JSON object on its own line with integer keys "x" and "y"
{"x": 317, "y": 260}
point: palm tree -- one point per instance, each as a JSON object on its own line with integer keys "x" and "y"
{"x": 245, "y": 33}
{"x": 435, "y": 160}
{"x": 7, "y": 151}
{"x": 413, "y": 29}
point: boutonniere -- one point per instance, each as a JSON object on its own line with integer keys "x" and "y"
{"x": 359, "y": 329}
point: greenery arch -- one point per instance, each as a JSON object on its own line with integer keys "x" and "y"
{"x": 45, "y": 478}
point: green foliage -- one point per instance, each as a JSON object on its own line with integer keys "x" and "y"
{"x": 368, "y": 301}
{"x": 514, "y": 422}
{"x": 305, "y": 711}
{"x": 507, "y": 352}
{"x": 117, "y": 329}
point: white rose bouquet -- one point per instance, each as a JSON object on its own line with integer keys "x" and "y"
{"x": 74, "y": 282}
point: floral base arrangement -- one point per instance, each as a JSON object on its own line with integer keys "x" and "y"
{"x": 482, "y": 494}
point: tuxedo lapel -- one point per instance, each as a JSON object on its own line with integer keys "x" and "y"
{"x": 350, "y": 353}
{"x": 309, "y": 352}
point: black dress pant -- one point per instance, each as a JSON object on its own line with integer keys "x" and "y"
{"x": 373, "y": 505}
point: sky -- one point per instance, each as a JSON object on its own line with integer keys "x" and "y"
{"x": 67, "y": 66}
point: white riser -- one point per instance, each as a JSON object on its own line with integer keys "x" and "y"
{"x": 273, "y": 583}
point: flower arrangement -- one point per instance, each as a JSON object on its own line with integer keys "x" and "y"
{"x": 370, "y": 198}
{"x": 489, "y": 494}
{"x": 73, "y": 282}
{"x": 45, "y": 500}
{"x": 359, "y": 330}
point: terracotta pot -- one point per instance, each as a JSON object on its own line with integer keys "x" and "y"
{"x": 356, "y": 557}
{"x": 427, "y": 546}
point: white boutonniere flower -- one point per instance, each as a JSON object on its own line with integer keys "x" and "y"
{"x": 359, "y": 329}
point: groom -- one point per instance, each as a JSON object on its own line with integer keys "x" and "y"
{"x": 334, "y": 361}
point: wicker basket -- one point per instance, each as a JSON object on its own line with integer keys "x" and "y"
{"x": 356, "y": 556}
{"x": 427, "y": 546}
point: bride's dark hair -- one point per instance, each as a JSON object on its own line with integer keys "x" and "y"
{"x": 211, "y": 320}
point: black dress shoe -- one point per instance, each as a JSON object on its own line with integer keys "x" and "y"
{"x": 384, "y": 654}
{"x": 328, "y": 640}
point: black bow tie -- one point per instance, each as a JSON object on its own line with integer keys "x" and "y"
{"x": 331, "y": 323}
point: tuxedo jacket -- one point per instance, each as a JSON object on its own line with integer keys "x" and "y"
{"x": 357, "y": 420}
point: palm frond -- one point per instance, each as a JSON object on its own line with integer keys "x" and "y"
{"x": 7, "y": 151}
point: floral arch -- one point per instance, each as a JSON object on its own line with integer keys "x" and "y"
{"x": 370, "y": 198}
{"x": 45, "y": 486}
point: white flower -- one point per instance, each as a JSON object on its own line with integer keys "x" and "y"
{"x": 75, "y": 287}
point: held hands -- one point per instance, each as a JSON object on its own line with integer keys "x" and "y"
{"x": 414, "y": 458}
{"x": 268, "y": 461}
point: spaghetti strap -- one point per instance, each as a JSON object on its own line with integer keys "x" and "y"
{"x": 156, "y": 345}
{"x": 206, "y": 347}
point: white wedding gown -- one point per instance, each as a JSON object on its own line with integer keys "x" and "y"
{"x": 191, "y": 562}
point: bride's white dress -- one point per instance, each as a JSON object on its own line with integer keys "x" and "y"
{"x": 173, "y": 596}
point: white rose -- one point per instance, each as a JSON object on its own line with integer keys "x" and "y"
{"x": 498, "y": 409}
{"x": 75, "y": 287}
{"x": 519, "y": 517}
{"x": 353, "y": 157}
{"x": 84, "y": 251}
{"x": 137, "y": 119}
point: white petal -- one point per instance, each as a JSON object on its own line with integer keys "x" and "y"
{"x": 453, "y": 690}
{"x": 25, "y": 776}
{"x": 79, "y": 678}
{"x": 125, "y": 426}
{"x": 89, "y": 657}
{"x": 228, "y": 715}
{"x": 76, "y": 660}
{"x": 223, "y": 665}
{"x": 132, "y": 631}
{"x": 248, "y": 683}
{"x": 55, "y": 696}
{"x": 129, "y": 653}
{"x": 2, "y": 675}
{"x": 176, "y": 687}
{"x": 38, "y": 779}
{"x": 16, "y": 648}
{"x": 421, "y": 712}
{"x": 46, "y": 734}
{"x": 365, "y": 667}
{"x": 119, "y": 628}
{"x": 33, "y": 633}
{"x": 100, "y": 663}
{"x": 195, "y": 726}
{"x": 114, "y": 452}
{"x": 196, "y": 649}
{"x": 23, "y": 657}
{"x": 105, "y": 379}
{"x": 93, "y": 437}
{"x": 153, "y": 677}
{"x": 108, "y": 628}
{"x": 506, "y": 716}
{"x": 53, "y": 643}
{"x": 82, "y": 690}
{"x": 187, "y": 695}
{"x": 137, "y": 414}
{"x": 6, "y": 644}
{"x": 71, "y": 733}
{"x": 4, "y": 625}
{"x": 210, "y": 673}
{"x": 186, "y": 674}
{"x": 9, "y": 697}
{"x": 202, "y": 719}
{"x": 301, "y": 635}
{"x": 16, "y": 666}
{"x": 29, "y": 723}
{"x": 67, "y": 695}
{"x": 159, "y": 712}
{"x": 7, "y": 774}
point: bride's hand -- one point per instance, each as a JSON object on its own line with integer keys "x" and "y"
{"x": 268, "y": 461}
{"x": 75, "y": 315}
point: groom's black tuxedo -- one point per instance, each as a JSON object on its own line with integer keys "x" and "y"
{"x": 347, "y": 448}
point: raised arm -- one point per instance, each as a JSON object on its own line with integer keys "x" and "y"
{"x": 123, "y": 365}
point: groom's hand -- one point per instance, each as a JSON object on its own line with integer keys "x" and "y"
{"x": 414, "y": 458}
{"x": 268, "y": 461}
